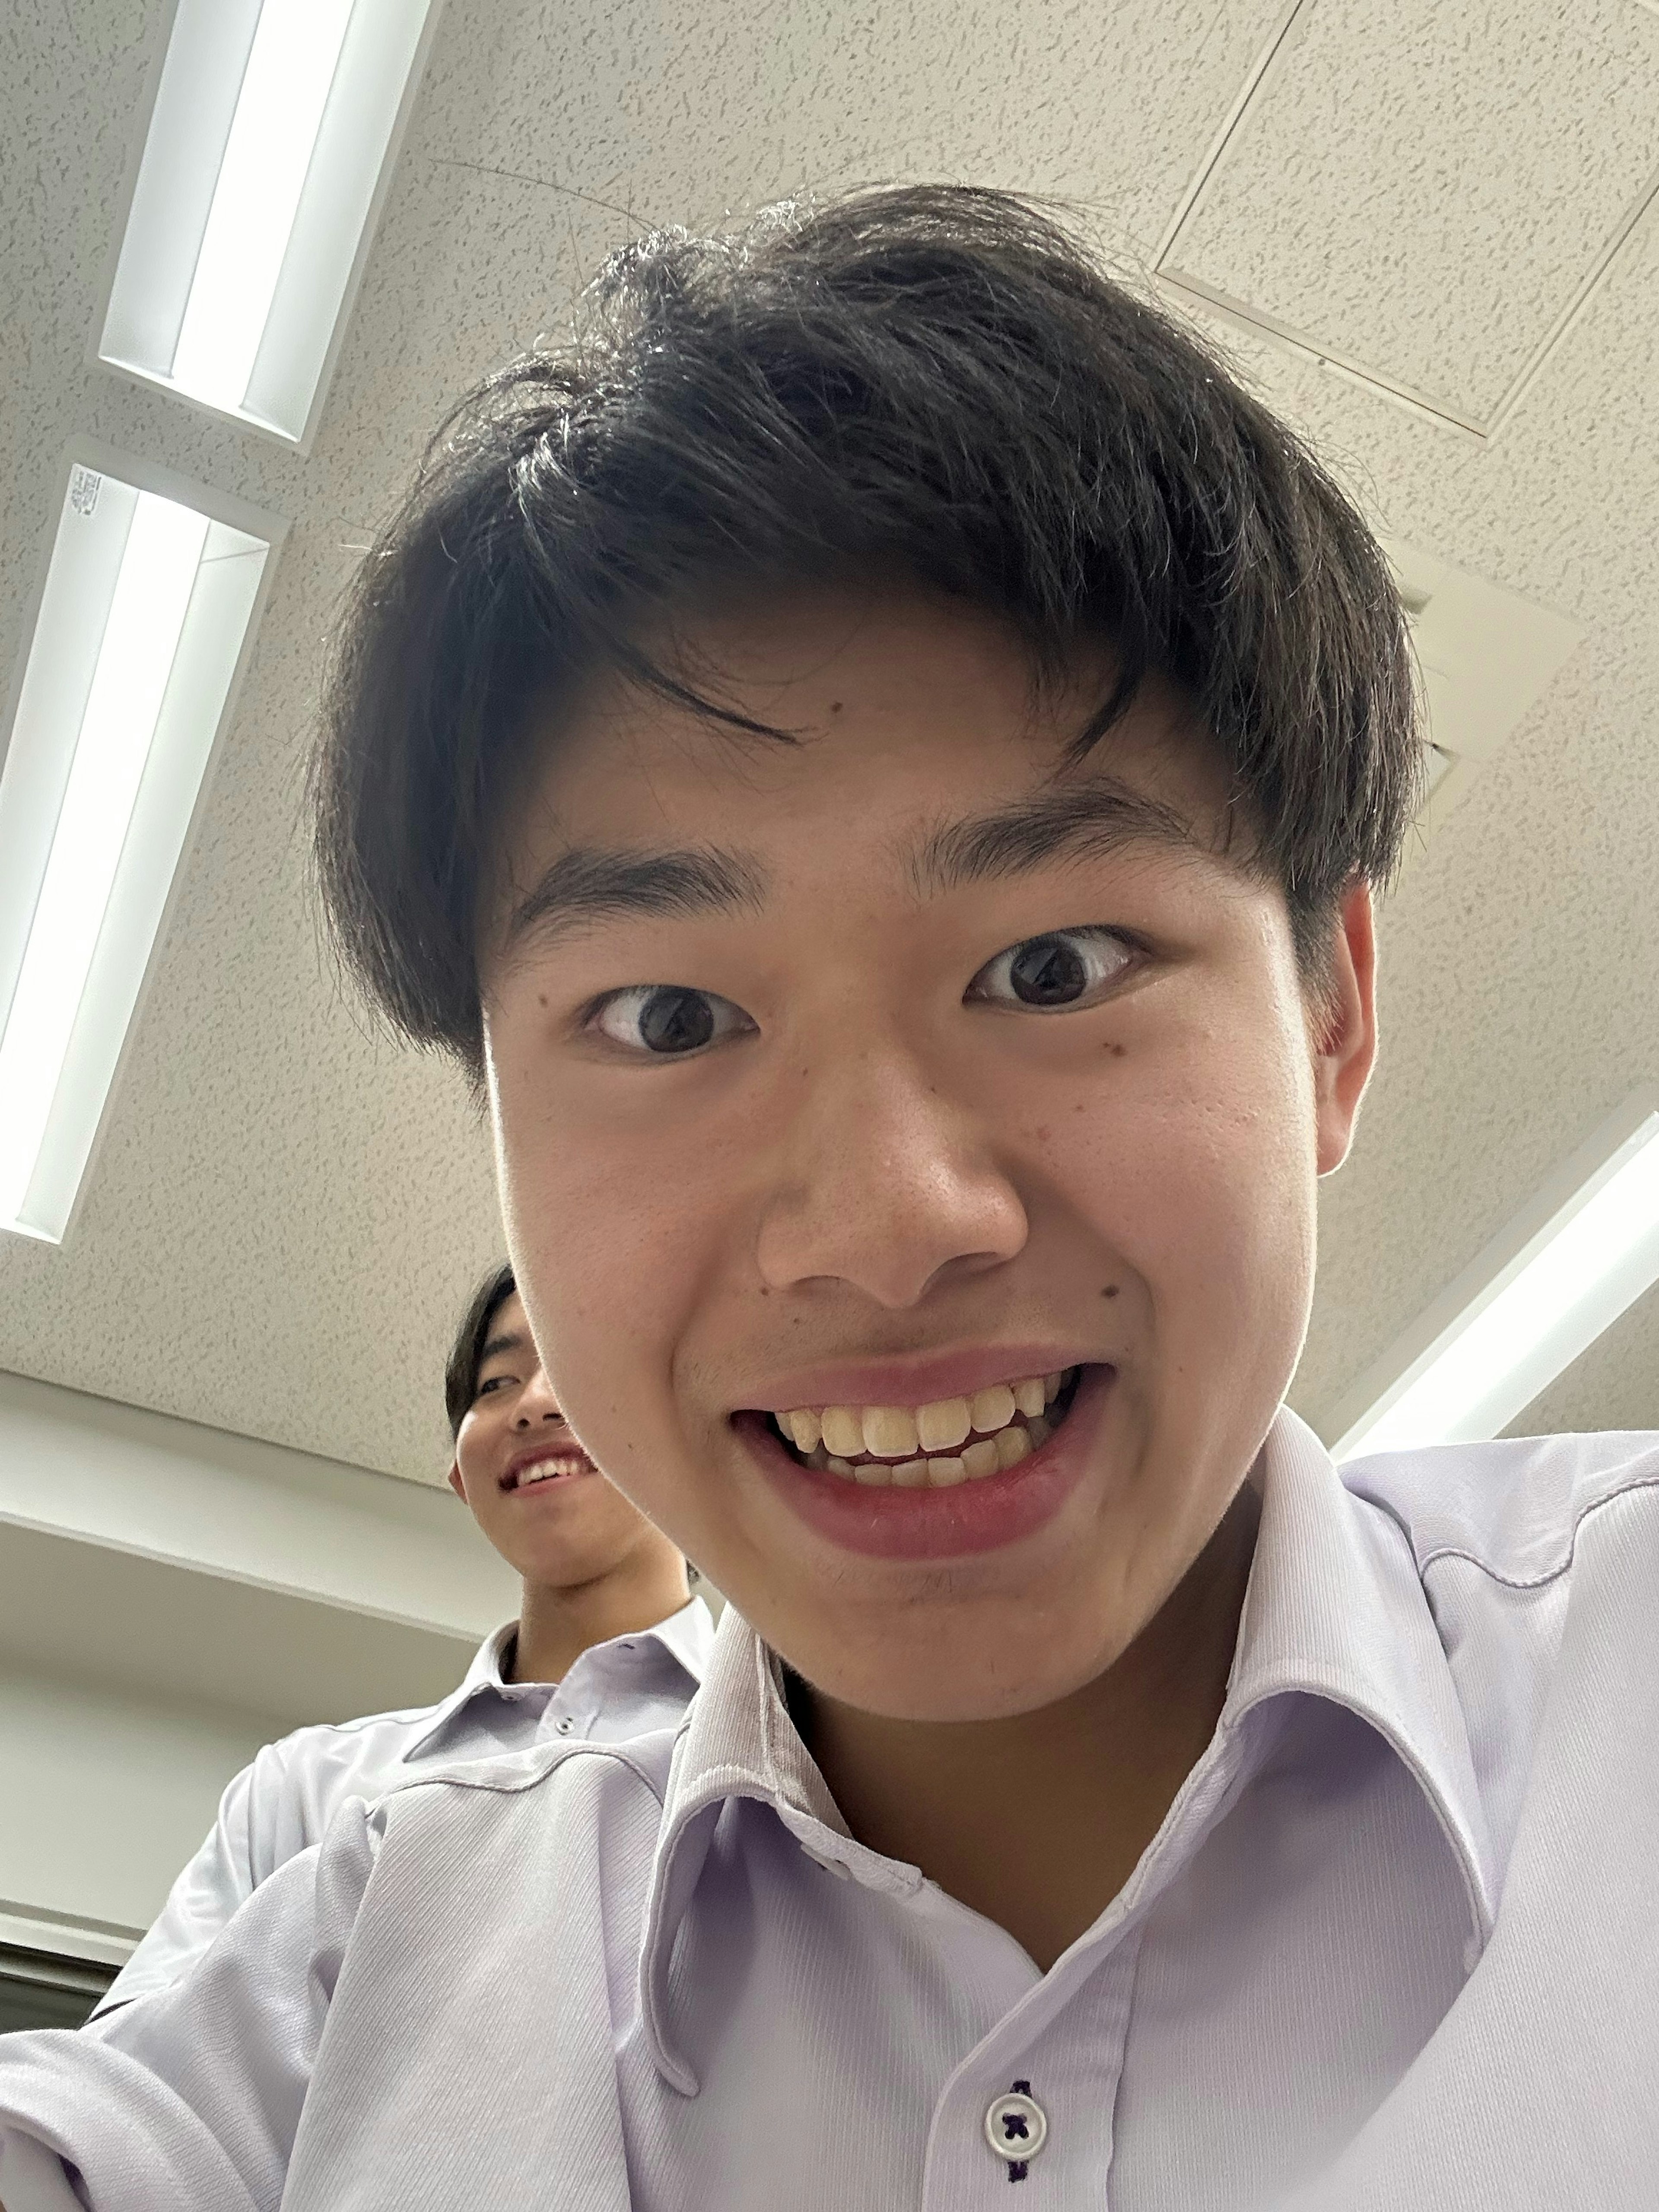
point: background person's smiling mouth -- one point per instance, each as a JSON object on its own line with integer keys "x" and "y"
{"x": 547, "y": 1463}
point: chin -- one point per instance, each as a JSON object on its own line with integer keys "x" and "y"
{"x": 975, "y": 1668}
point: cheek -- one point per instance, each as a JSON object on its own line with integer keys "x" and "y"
{"x": 1195, "y": 1163}
{"x": 610, "y": 1245}
{"x": 474, "y": 1447}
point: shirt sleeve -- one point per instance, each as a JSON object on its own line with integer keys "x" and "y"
{"x": 212, "y": 1887}
{"x": 189, "y": 2098}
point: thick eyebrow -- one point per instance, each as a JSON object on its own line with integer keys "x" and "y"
{"x": 513, "y": 1340}
{"x": 1074, "y": 821}
{"x": 587, "y": 883}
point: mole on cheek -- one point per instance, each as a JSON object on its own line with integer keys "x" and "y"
{"x": 1110, "y": 1290}
{"x": 1116, "y": 1050}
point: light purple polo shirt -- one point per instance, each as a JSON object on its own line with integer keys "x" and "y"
{"x": 1396, "y": 1945}
{"x": 282, "y": 1801}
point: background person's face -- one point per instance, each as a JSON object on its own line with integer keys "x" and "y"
{"x": 903, "y": 1168}
{"x": 532, "y": 1489}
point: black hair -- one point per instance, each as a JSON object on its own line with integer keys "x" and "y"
{"x": 472, "y": 1333}
{"x": 934, "y": 382}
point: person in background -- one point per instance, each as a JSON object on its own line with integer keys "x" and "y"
{"x": 609, "y": 1642}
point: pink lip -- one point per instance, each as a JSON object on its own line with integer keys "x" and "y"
{"x": 936, "y": 1524}
{"x": 916, "y": 1381}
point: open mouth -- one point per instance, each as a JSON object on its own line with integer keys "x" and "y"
{"x": 559, "y": 1465}
{"x": 935, "y": 1446}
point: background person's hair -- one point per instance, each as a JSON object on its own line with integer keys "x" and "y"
{"x": 471, "y": 1334}
{"x": 933, "y": 382}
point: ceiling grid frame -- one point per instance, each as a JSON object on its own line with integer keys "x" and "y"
{"x": 1192, "y": 292}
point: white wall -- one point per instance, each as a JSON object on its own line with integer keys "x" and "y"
{"x": 102, "y": 1798}
{"x": 171, "y": 1597}
{"x": 134, "y": 1481}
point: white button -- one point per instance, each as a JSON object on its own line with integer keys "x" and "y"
{"x": 565, "y": 1726}
{"x": 1015, "y": 2127}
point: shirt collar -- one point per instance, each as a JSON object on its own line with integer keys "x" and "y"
{"x": 1333, "y": 1609}
{"x": 737, "y": 1742}
{"x": 687, "y": 1637}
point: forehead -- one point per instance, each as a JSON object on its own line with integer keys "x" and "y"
{"x": 508, "y": 1330}
{"x": 901, "y": 713}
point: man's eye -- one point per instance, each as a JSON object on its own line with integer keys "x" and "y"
{"x": 1053, "y": 974}
{"x": 667, "y": 1020}
{"x": 495, "y": 1382}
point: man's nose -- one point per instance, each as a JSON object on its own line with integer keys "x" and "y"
{"x": 536, "y": 1404}
{"x": 886, "y": 1183}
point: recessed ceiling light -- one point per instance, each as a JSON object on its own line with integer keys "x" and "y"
{"x": 149, "y": 600}
{"x": 1534, "y": 1299}
{"x": 270, "y": 140}
{"x": 1486, "y": 655}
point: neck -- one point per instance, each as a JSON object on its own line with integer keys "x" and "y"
{"x": 1037, "y": 1821}
{"x": 558, "y": 1622}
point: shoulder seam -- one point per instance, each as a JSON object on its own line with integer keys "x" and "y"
{"x": 1562, "y": 1565}
{"x": 458, "y": 1778}
{"x": 407, "y": 1717}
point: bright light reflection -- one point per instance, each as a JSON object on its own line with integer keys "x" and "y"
{"x": 1591, "y": 1263}
{"x": 140, "y": 638}
{"x": 273, "y": 133}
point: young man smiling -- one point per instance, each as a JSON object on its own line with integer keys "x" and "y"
{"x": 876, "y": 755}
{"x": 609, "y": 1642}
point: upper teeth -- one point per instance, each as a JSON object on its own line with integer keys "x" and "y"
{"x": 542, "y": 1470}
{"x": 942, "y": 1426}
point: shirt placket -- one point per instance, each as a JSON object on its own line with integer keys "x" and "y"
{"x": 1065, "y": 2040}
{"x": 1032, "y": 2106}
{"x": 574, "y": 1707}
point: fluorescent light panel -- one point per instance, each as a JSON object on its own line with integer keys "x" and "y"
{"x": 1568, "y": 1282}
{"x": 273, "y": 134}
{"x": 273, "y": 130}
{"x": 147, "y": 605}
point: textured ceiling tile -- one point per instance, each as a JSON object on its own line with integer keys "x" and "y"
{"x": 1521, "y": 956}
{"x": 1519, "y": 967}
{"x": 673, "y": 114}
{"x": 1423, "y": 188}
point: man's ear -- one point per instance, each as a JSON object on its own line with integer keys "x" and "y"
{"x": 455, "y": 1482}
{"x": 1345, "y": 1029}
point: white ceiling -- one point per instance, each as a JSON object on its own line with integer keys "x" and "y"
{"x": 1422, "y": 189}
{"x": 284, "y": 1213}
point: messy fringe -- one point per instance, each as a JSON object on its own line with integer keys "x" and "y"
{"x": 934, "y": 380}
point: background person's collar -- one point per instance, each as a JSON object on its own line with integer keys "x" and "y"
{"x": 688, "y": 1636}
{"x": 484, "y": 1676}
